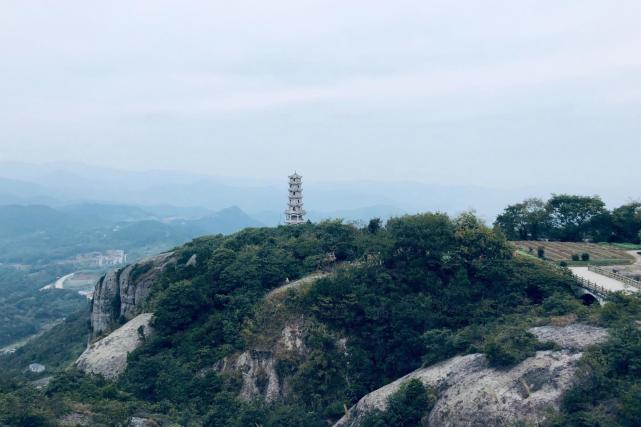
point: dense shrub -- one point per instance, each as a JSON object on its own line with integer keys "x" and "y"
{"x": 607, "y": 392}
{"x": 511, "y": 346}
{"x": 406, "y": 407}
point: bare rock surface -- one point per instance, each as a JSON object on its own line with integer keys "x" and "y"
{"x": 75, "y": 419}
{"x": 142, "y": 422}
{"x": 121, "y": 293}
{"x": 571, "y": 337}
{"x": 108, "y": 356}
{"x": 258, "y": 370}
{"x": 471, "y": 393}
{"x": 257, "y": 367}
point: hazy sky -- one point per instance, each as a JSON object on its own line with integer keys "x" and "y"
{"x": 494, "y": 93}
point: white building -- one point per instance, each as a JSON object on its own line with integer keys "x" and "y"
{"x": 112, "y": 257}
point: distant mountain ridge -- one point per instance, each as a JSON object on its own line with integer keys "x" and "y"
{"x": 63, "y": 184}
{"x": 194, "y": 196}
{"x": 36, "y": 233}
{"x": 225, "y": 221}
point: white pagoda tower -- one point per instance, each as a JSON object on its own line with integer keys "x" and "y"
{"x": 295, "y": 212}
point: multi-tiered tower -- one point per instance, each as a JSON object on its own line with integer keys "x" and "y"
{"x": 295, "y": 212}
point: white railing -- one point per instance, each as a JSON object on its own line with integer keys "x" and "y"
{"x": 591, "y": 286}
{"x": 616, "y": 276}
{"x": 583, "y": 282}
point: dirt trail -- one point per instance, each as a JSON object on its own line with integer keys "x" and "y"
{"x": 298, "y": 283}
{"x": 636, "y": 256}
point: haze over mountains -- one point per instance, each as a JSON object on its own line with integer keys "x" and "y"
{"x": 163, "y": 194}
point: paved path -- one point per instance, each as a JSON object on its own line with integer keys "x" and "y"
{"x": 609, "y": 284}
{"x": 61, "y": 282}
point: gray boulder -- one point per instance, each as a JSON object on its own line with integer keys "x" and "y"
{"x": 108, "y": 356}
{"x": 471, "y": 393}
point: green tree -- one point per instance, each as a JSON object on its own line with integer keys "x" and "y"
{"x": 626, "y": 223}
{"x": 477, "y": 244}
{"x": 510, "y": 346}
{"x": 374, "y": 225}
{"x": 178, "y": 307}
{"x": 405, "y": 408}
{"x": 524, "y": 221}
{"x": 424, "y": 238}
{"x": 572, "y": 217}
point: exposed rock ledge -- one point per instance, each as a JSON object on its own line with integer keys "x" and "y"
{"x": 108, "y": 356}
{"x": 257, "y": 367}
{"x": 575, "y": 337}
{"x": 473, "y": 394}
{"x": 120, "y": 294}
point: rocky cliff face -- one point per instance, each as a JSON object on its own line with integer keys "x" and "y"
{"x": 257, "y": 367}
{"x": 108, "y": 356}
{"x": 470, "y": 393}
{"x": 119, "y": 294}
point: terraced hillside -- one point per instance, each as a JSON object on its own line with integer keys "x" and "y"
{"x": 563, "y": 251}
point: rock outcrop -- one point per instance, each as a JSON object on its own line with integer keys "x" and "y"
{"x": 470, "y": 393}
{"x": 120, "y": 294}
{"x": 108, "y": 356}
{"x": 574, "y": 337}
{"x": 258, "y": 367}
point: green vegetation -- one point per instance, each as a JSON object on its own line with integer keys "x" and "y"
{"x": 38, "y": 244}
{"x": 625, "y": 246}
{"x": 571, "y": 218}
{"x": 511, "y": 346}
{"x": 405, "y": 408}
{"x": 414, "y": 291}
{"x": 607, "y": 393}
{"x": 36, "y": 235}
{"x": 54, "y": 349}
{"x": 24, "y": 310}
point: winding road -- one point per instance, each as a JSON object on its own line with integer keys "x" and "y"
{"x": 61, "y": 282}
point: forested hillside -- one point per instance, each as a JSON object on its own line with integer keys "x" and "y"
{"x": 24, "y": 310}
{"x": 410, "y": 293}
